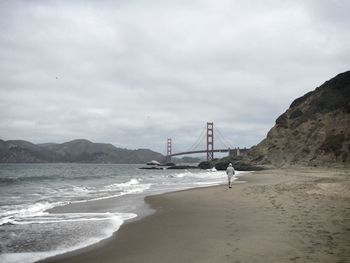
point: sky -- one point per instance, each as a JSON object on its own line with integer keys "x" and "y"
{"x": 135, "y": 72}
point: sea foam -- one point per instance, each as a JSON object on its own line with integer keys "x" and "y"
{"x": 116, "y": 219}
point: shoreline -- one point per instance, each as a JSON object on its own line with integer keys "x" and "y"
{"x": 140, "y": 208}
{"x": 286, "y": 215}
{"x": 145, "y": 208}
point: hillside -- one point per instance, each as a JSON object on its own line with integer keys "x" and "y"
{"x": 19, "y": 151}
{"x": 74, "y": 151}
{"x": 315, "y": 130}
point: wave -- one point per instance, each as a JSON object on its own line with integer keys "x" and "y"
{"x": 132, "y": 186}
{"x": 89, "y": 193}
{"x": 202, "y": 175}
{"x": 48, "y": 218}
{"x": 9, "y": 214}
{"x": 117, "y": 220}
{"x": 15, "y": 214}
{"x": 208, "y": 174}
{"x": 52, "y": 177}
{"x": 132, "y": 182}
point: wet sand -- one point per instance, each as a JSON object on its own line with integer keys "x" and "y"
{"x": 298, "y": 215}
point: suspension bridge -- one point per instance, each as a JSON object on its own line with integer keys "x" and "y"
{"x": 207, "y": 135}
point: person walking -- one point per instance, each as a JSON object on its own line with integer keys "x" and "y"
{"x": 230, "y": 171}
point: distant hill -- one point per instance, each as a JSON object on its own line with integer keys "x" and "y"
{"x": 315, "y": 130}
{"x": 82, "y": 151}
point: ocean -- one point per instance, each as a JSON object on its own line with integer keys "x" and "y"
{"x": 100, "y": 197}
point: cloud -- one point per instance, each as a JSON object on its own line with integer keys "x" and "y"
{"x": 136, "y": 72}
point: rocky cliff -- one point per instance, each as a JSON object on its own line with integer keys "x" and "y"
{"x": 315, "y": 130}
{"x": 74, "y": 151}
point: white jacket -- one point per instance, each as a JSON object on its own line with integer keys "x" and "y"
{"x": 230, "y": 171}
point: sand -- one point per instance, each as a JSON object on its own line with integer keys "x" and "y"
{"x": 299, "y": 215}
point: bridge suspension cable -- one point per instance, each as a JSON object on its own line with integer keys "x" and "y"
{"x": 199, "y": 140}
{"x": 222, "y": 138}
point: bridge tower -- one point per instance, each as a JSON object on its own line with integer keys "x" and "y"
{"x": 210, "y": 141}
{"x": 169, "y": 150}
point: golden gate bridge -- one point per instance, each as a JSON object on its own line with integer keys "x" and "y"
{"x": 208, "y": 135}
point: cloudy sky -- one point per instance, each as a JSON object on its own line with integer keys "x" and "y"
{"x": 134, "y": 72}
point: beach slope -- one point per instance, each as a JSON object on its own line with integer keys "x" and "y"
{"x": 299, "y": 215}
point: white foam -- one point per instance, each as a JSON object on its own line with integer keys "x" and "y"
{"x": 207, "y": 178}
{"x": 202, "y": 175}
{"x": 132, "y": 182}
{"x": 131, "y": 187}
{"x": 181, "y": 175}
{"x": 48, "y": 218}
{"x": 25, "y": 211}
{"x": 117, "y": 220}
{"x": 5, "y": 220}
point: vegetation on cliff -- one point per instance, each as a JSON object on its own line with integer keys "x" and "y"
{"x": 315, "y": 130}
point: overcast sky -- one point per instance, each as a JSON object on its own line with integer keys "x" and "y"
{"x": 134, "y": 72}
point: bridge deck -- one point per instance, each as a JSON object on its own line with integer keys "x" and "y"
{"x": 200, "y": 151}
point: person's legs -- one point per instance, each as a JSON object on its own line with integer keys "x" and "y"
{"x": 229, "y": 181}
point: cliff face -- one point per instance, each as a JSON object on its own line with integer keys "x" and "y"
{"x": 81, "y": 151}
{"x": 315, "y": 130}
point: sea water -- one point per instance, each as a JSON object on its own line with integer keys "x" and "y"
{"x": 28, "y": 232}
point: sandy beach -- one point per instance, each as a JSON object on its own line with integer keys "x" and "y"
{"x": 291, "y": 215}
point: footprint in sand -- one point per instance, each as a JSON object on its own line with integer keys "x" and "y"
{"x": 315, "y": 243}
{"x": 311, "y": 250}
{"x": 322, "y": 232}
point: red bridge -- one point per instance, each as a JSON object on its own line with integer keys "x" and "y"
{"x": 209, "y": 145}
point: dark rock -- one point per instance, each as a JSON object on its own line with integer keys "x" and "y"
{"x": 167, "y": 164}
{"x": 239, "y": 165}
{"x": 333, "y": 143}
{"x": 151, "y": 168}
{"x": 295, "y": 114}
{"x": 221, "y": 166}
{"x": 205, "y": 165}
{"x": 282, "y": 121}
{"x": 245, "y": 166}
{"x": 300, "y": 100}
